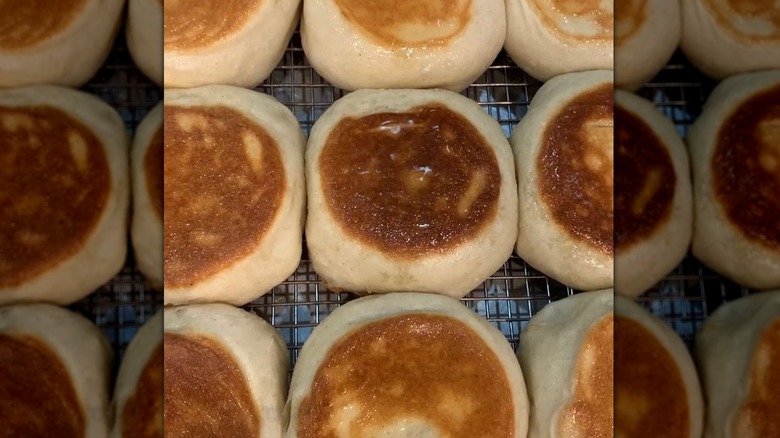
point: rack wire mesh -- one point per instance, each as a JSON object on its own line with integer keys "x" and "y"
{"x": 691, "y": 292}
{"x": 122, "y": 305}
{"x": 508, "y": 299}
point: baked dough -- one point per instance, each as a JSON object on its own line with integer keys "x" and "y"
{"x": 226, "y": 373}
{"x": 407, "y": 365}
{"x": 55, "y": 42}
{"x": 138, "y": 395}
{"x": 647, "y": 32}
{"x": 64, "y": 188}
{"x": 738, "y": 353}
{"x": 234, "y": 195}
{"x": 55, "y": 366}
{"x": 147, "y": 170}
{"x": 409, "y": 190}
{"x": 653, "y": 196}
{"x": 448, "y": 44}
{"x": 657, "y": 391}
{"x": 230, "y": 42}
{"x": 563, "y": 150}
{"x": 727, "y": 37}
{"x": 735, "y": 154}
{"x": 144, "y": 31}
{"x": 548, "y": 38}
{"x": 566, "y": 352}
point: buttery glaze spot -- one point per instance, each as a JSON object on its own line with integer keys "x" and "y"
{"x": 54, "y": 185}
{"x": 753, "y": 21}
{"x": 591, "y": 412}
{"x": 153, "y": 165}
{"x": 206, "y": 393}
{"x": 648, "y": 386}
{"x": 757, "y": 417}
{"x": 746, "y": 168}
{"x": 143, "y": 413}
{"x": 224, "y": 183}
{"x": 630, "y": 15}
{"x": 426, "y": 371}
{"x": 410, "y": 183}
{"x": 27, "y": 23}
{"x": 408, "y": 22}
{"x": 576, "y": 20}
{"x": 37, "y": 397}
{"x": 575, "y": 168}
{"x": 193, "y": 24}
{"x": 644, "y": 181}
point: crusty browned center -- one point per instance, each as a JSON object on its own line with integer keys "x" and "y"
{"x": 193, "y": 24}
{"x": 412, "y": 183}
{"x": 54, "y": 185}
{"x": 26, "y": 23}
{"x": 224, "y": 182}
{"x": 206, "y": 393}
{"x": 746, "y": 168}
{"x": 421, "y": 367}
{"x": 37, "y": 397}
{"x": 143, "y": 413}
{"x": 576, "y": 171}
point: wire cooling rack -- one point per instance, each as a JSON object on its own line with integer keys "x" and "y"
{"x": 121, "y": 306}
{"x": 691, "y": 292}
{"x": 508, "y": 299}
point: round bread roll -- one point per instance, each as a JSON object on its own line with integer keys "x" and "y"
{"x": 55, "y": 366}
{"x": 407, "y": 365}
{"x": 138, "y": 395}
{"x": 147, "y": 170}
{"x": 653, "y": 196}
{"x": 564, "y": 152}
{"x": 226, "y": 373}
{"x": 144, "y": 32}
{"x": 55, "y": 42}
{"x": 548, "y": 38}
{"x": 409, "y": 190}
{"x": 64, "y": 188}
{"x": 448, "y": 44}
{"x": 657, "y": 391}
{"x": 234, "y": 195}
{"x": 230, "y": 42}
{"x": 566, "y": 352}
{"x": 738, "y": 353}
{"x": 727, "y": 37}
{"x": 647, "y": 33}
{"x": 735, "y": 154}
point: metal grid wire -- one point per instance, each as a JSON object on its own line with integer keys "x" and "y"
{"x": 508, "y": 299}
{"x": 121, "y": 306}
{"x": 691, "y": 292}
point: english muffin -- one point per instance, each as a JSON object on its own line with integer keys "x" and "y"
{"x": 144, "y": 31}
{"x": 138, "y": 394}
{"x": 647, "y": 32}
{"x": 64, "y": 188}
{"x": 55, "y": 42}
{"x": 229, "y": 42}
{"x": 657, "y": 391}
{"x": 653, "y": 195}
{"x": 728, "y": 37}
{"x": 735, "y": 154}
{"x": 409, "y": 190}
{"x": 566, "y": 352}
{"x": 564, "y": 157}
{"x": 55, "y": 366}
{"x": 356, "y": 44}
{"x": 225, "y": 373}
{"x": 146, "y": 229}
{"x": 234, "y": 195}
{"x": 738, "y": 353}
{"x": 402, "y": 365}
{"x": 547, "y": 38}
